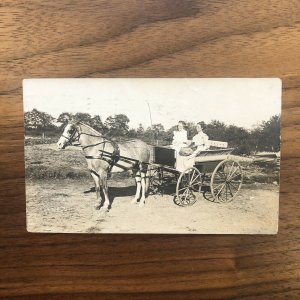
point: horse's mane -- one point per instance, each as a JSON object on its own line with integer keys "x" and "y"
{"x": 90, "y": 128}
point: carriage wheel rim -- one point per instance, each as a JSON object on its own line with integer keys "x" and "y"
{"x": 235, "y": 171}
{"x": 187, "y": 186}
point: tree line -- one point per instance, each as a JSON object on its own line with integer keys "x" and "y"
{"x": 264, "y": 137}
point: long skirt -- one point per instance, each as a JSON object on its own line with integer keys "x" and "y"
{"x": 184, "y": 162}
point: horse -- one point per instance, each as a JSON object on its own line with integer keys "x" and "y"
{"x": 104, "y": 156}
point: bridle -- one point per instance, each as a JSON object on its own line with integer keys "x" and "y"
{"x": 71, "y": 138}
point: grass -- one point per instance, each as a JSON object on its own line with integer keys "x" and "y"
{"x": 45, "y": 161}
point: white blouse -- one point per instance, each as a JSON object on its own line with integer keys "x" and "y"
{"x": 179, "y": 138}
{"x": 201, "y": 141}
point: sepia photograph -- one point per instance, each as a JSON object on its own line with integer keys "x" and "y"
{"x": 152, "y": 155}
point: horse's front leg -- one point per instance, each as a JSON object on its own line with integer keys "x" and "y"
{"x": 98, "y": 202}
{"x": 103, "y": 180}
{"x": 97, "y": 187}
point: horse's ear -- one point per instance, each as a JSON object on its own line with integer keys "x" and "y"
{"x": 74, "y": 121}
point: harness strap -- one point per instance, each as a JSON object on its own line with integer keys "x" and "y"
{"x": 115, "y": 156}
{"x": 124, "y": 158}
{"x": 110, "y": 157}
{"x": 108, "y": 160}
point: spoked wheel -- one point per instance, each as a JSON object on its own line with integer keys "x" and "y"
{"x": 188, "y": 187}
{"x": 155, "y": 181}
{"x": 226, "y": 181}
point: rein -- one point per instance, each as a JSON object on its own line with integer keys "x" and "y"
{"x": 71, "y": 139}
{"x": 111, "y": 158}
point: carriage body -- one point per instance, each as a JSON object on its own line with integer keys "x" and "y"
{"x": 206, "y": 161}
{"x": 213, "y": 170}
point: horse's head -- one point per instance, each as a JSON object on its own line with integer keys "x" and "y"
{"x": 69, "y": 135}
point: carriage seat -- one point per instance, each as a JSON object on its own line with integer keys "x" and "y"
{"x": 166, "y": 156}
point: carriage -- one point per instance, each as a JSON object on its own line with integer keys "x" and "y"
{"x": 214, "y": 173}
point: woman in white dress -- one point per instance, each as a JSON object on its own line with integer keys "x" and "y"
{"x": 200, "y": 140}
{"x": 179, "y": 137}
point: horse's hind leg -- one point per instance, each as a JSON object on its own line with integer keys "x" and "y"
{"x": 138, "y": 187}
{"x": 147, "y": 180}
{"x": 143, "y": 171}
{"x": 143, "y": 183}
{"x": 97, "y": 187}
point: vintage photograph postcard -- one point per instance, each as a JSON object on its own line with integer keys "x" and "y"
{"x": 152, "y": 155}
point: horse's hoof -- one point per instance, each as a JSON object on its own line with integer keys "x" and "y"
{"x": 104, "y": 211}
{"x": 105, "y": 208}
{"x": 141, "y": 204}
{"x": 133, "y": 201}
{"x": 97, "y": 206}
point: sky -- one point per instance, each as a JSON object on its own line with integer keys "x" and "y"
{"x": 242, "y": 102}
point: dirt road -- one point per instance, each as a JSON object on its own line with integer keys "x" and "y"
{"x": 67, "y": 206}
